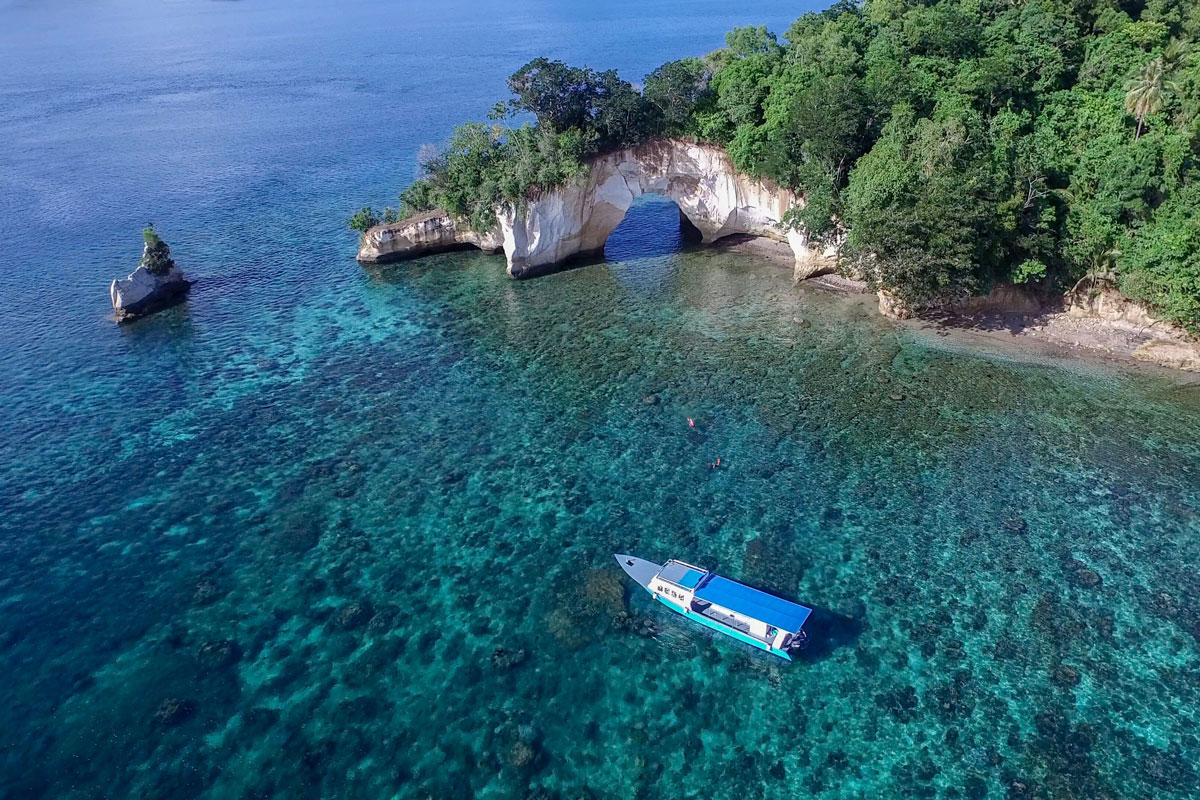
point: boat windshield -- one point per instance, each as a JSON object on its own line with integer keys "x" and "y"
{"x": 682, "y": 574}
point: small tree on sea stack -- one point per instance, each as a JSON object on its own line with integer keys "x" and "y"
{"x": 156, "y": 256}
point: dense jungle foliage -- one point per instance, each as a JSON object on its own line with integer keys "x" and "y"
{"x": 953, "y": 143}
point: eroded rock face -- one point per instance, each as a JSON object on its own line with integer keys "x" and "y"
{"x": 1003, "y": 299}
{"x": 1166, "y": 345}
{"x": 432, "y": 232}
{"x": 1171, "y": 353}
{"x": 1108, "y": 305}
{"x": 156, "y": 284}
{"x": 892, "y": 306}
{"x": 575, "y": 221}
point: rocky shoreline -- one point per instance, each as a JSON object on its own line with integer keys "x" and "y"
{"x": 1094, "y": 324}
{"x": 1097, "y": 323}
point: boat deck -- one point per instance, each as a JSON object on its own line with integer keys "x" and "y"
{"x": 730, "y": 622}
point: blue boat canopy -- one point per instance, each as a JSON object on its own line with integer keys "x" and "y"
{"x": 776, "y": 611}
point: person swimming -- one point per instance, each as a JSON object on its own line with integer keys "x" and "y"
{"x": 716, "y": 464}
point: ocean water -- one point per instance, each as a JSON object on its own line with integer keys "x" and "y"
{"x": 326, "y": 531}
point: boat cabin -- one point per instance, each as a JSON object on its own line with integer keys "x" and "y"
{"x": 729, "y": 606}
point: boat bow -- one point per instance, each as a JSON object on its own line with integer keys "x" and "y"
{"x": 639, "y": 569}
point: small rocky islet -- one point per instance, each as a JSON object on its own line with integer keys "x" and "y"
{"x": 157, "y": 283}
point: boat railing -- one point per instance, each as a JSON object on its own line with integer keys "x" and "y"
{"x": 730, "y": 621}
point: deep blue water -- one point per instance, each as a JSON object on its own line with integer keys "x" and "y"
{"x": 328, "y": 531}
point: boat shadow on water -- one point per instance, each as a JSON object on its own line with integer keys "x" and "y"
{"x": 829, "y": 631}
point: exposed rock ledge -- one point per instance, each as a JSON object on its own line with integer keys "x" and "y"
{"x": 1097, "y": 320}
{"x": 574, "y": 221}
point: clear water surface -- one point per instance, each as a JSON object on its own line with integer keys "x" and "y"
{"x": 327, "y": 531}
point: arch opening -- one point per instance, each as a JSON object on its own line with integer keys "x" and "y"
{"x": 653, "y": 226}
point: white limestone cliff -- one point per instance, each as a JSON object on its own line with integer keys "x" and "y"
{"x": 430, "y": 232}
{"x": 574, "y": 221}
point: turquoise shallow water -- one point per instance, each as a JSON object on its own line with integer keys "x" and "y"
{"x": 372, "y": 556}
{"x": 326, "y": 531}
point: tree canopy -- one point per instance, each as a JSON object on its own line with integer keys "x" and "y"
{"x": 953, "y": 144}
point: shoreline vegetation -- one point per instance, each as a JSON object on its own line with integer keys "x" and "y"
{"x": 954, "y": 145}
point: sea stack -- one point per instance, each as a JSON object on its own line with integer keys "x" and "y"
{"x": 156, "y": 283}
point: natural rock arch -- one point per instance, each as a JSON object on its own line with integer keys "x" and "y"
{"x": 574, "y": 221}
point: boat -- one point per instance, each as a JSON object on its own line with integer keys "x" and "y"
{"x": 747, "y": 614}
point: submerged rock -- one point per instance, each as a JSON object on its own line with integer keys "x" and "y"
{"x": 566, "y": 628}
{"x": 1016, "y": 525}
{"x": 173, "y": 711}
{"x": 1019, "y": 790}
{"x": 1079, "y": 574}
{"x": 1175, "y": 354}
{"x": 1065, "y": 675}
{"x": 157, "y": 283}
{"x": 218, "y": 654}
{"x": 900, "y": 703}
{"x": 644, "y": 627}
{"x": 521, "y": 755}
{"x": 297, "y": 531}
{"x": 1165, "y": 605}
{"x": 953, "y": 699}
{"x": 383, "y": 620}
{"x": 1169, "y": 769}
{"x": 354, "y": 615}
{"x": 507, "y": 659}
{"x": 603, "y": 589}
{"x": 207, "y": 591}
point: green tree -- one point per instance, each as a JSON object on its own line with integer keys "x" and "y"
{"x": 676, "y": 91}
{"x": 752, "y": 41}
{"x": 156, "y": 256}
{"x": 1145, "y": 94}
{"x": 565, "y": 98}
{"x": 1161, "y": 263}
{"x": 621, "y": 115}
{"x": 561, "y": 97}
{"x": 363, "y": 220}
{"x": 921, "y": 206}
